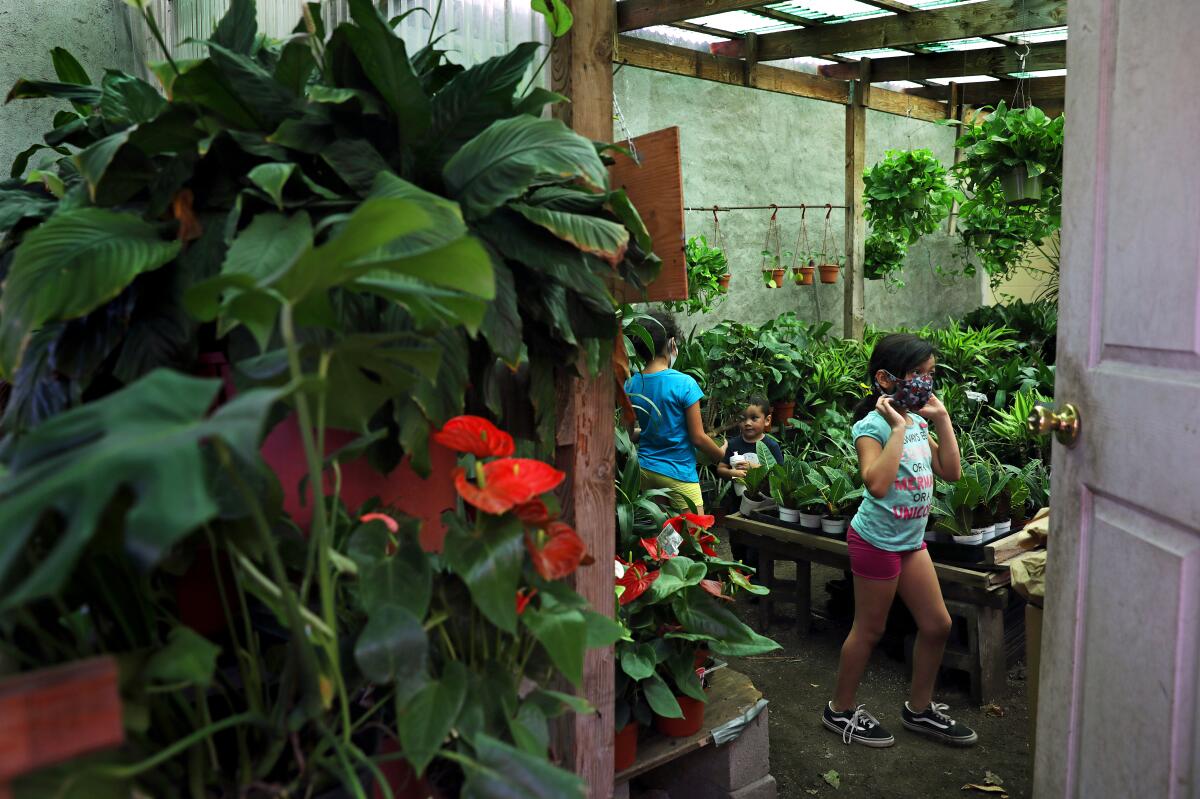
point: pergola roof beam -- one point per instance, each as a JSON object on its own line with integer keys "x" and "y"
{"x": 897, "y": 30}
{"x": 990, "y": 92}
{"x": 996, "y": 60}
{"x": 635, "y": 14}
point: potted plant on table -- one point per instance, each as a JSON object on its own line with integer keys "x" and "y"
{"x": 840, "y": 497}
{"x": 793, "y": 490}
{"x": 962, "y": 506}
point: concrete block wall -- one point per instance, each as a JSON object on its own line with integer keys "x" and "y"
{"x": 749, "y": 147}
{"x": 94, "y": 31}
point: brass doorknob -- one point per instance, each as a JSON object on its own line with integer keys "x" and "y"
{"x": 1063, "y": 424}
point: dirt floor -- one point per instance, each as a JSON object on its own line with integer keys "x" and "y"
{"x": 799, "y": 680}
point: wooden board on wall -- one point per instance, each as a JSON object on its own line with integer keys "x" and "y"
{"x": 654, "y": 184}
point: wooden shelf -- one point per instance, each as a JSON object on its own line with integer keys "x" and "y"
{"x": 730, "y": 694}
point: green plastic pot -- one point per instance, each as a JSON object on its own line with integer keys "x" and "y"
{"x": 1019, "y": 188}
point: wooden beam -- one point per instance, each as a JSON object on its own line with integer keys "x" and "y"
{"x": 890, "y": 5}
{"x": 995, "y": 90}
{"x": 992, "y": 61}
{"x": 708, "y": 31}
{"x": 695, "y": 64}
{"x": 854, "y": 295}
{"x": 634, "y": 14}
{"x": 951, "y": 22}
{"x": 582, "y": 70}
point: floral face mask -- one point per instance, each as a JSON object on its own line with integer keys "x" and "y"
{"x": 911, "y": 394}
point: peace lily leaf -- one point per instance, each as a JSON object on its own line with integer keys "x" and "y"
{"x": 537, "y": 99}
{"x": 146, "y": 439}
{"x": 562, "y": 632}
{"x": 72, "y": 264}
{"x": 271, "y": 178}
{"x": 33, "y": 89}
{"x": 129, "y": 100}
{"x": 501, "y": 163}
{"x": 385, "y": 62}
{"x": 237, "y": 29}
{"x": 592, "y": 234}
{"x": 392, "y": 646}
{"x": 427, "y": 719}
{"x": 188, "y": 657}
{"x": 489, "y": 562}
{"x": 68, "y": 69}
{"x": 508, "y": 772}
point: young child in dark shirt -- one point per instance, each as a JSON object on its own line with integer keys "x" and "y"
{"x": 756, "y": 420}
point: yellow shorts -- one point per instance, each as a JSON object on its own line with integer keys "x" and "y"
{"x": 681, "y": 492}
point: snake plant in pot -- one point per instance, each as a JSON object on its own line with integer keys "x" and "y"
{"x": 328, "y": 214}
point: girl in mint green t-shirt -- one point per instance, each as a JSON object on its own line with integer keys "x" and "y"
{"x": 898, "y": 458}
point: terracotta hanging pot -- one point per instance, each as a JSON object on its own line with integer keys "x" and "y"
{"x": 829, "y": 273}
{"x": 723, "y": 281}
{"x": 689, "y": 725}
{"x": 625, "y": 747}
{"x": 777, "y": 276}
{"x": 803, "y": 275}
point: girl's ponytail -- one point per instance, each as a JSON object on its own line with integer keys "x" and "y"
{"x": 898, "y": 354}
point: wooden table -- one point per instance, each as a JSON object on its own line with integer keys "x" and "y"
{"x": 978, "y": 596}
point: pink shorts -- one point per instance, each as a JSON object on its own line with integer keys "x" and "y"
{"x": 871, "y": 562}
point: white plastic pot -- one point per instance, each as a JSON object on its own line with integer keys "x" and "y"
{"x": 749, "y": 506}
{"x": 810, "y": 520}
{"x": 976, "y": 537}
{"x": 789, "y": 515}
{"x": 1003, "y": 528}
{"x": 739, "y": 488}
{"x": 833, "y": 526}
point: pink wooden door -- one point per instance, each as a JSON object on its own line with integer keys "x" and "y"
{"x": 1118, "y": 711}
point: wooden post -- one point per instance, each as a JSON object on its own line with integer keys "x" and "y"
{"x": 751, "y": 62}
{"x": 582, "y": 70}
{"x": 854, "y": 313}
{"x": 954, "y": 111}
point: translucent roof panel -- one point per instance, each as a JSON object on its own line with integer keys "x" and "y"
{"x": 1036, "y": 37}
{"x": 1040, "y": 73}
{"x": 832, "y": 10}
{"x": 676, "y": 36}
{"x": 964, "y": 79}
{"x": 959, "y": 45}
{"x": 742, "y": 22}
{"x": 882, "y": 52}
{"x": 926, "y": 5}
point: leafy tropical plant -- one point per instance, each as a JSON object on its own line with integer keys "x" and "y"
{"x": 907, "y": 194}
{"x": 706, "y": 266}
{"x": 1008, "y": 138}
{"x": 326, "y": 213}
{"x": 883, "y": 257}
{"x": 837, "y": 489}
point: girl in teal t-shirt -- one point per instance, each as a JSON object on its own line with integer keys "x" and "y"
{"x": 898, "y": 459}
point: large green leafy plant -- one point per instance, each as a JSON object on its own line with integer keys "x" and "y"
{"x": 340, "y": 228}
{"x": 706, "y": 265}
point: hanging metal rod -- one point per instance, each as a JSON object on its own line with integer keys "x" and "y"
{"x": 811, "y": 207}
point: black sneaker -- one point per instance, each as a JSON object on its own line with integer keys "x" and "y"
{"x": 934, "y": 722}
{"x": 857, "y": 726}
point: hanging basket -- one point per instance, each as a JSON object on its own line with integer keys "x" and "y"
{"x": 803, "y": 275}
{"x": 773, "y": 271}
{"x": 723, "y": 281}
{"x": 829, "y": 273}
{"x": 1019, "y": 187}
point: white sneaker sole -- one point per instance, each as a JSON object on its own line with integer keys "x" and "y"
{"x": 941, "y": 736}
{"x": 874, "y": 743}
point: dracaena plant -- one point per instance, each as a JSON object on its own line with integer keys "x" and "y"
{"x": 342, "y": 226}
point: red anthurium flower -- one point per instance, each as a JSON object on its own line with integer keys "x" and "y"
{"x": 651, "y": 547}
{"x": 560, "y": 552}
{"x": 681, "y": 521}
{"x": 392, "y": 525}
{"x": 636, "y": 580}
{"x": 475, "y": 435}
{"x": 706, "y": 540}
{"x": 507, "y": 483}
{"x": 534, "y": 513}
{"x": 714, "y": 587}
{"x": 524, "y": 595}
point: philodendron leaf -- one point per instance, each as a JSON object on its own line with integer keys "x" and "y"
{"x": 271, "y": 178}
{"x": 188, "y": 658}
{"x": 146, "y": 440}
{"x": 638, "y": 661}
{"x": 503, "y": 161}
{"x": 392, "y": 646}
{"x": 72, "y": 264}
{"x": 508, "y": 772}
{"x": 426, "y": 720}
{"x": 661, "y": 700}
{"x": 701, "y": 615}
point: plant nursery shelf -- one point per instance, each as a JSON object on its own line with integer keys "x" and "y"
{"x": 730, "y": 694}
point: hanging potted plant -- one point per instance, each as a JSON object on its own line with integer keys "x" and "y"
{"x": 829, "y": 269}
{"x": 708, "y": 278}
{"x": 883, "y": 258}
{"x": 1020, "y": 147}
